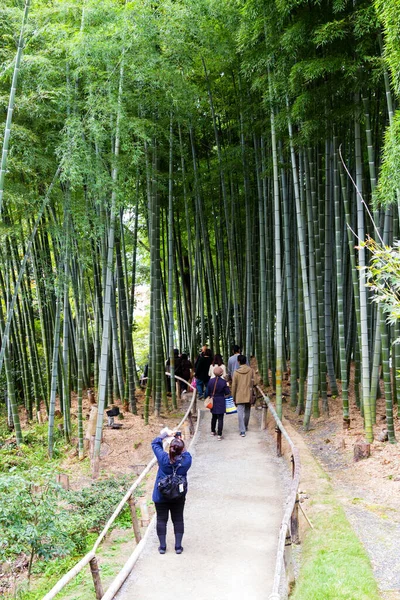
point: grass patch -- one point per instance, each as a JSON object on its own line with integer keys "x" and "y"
{"x": 111, "y": 556}
{"x": 334, "y": 563}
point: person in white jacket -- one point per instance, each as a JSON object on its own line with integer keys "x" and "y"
{"x": 218, "y": 362}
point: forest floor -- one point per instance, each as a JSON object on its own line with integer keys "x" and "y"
{"x": 124, "y": 452}
{"x": 369, "y": 490}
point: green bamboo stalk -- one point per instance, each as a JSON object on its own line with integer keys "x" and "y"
{"x": 80, "y": 344}
{"x": 364, "y": 340}
{"x": 289, "y": 270}
{"x": 307, "y": 304}
{"x": 328, "y": 318}
{"x": 54, "y": 375}
{"x": 278, "y": 261}
{"x": 10, "y": 381}
{"x": 312, "y": 287}
{"x": 339, "y": 283}
{"x": 11, "y": 103}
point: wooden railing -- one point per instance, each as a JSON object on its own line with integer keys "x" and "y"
{"x": 289, "y": 531}
{"x": 91, "y": 559}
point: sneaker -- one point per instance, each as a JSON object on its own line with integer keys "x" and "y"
{"x": 213, "y": 433}
{"x": 179, "y": 550}
{"x": 162, "y": 550}
{"x": 242, "y": 434}
{"x": 219, "y": 437}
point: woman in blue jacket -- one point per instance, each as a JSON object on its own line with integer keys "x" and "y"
{"x": 180, "y": 461}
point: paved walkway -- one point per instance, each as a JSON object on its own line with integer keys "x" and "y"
{"x": 232, "y": 518}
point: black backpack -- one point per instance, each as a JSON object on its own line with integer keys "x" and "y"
{"x": 173, "y": 486}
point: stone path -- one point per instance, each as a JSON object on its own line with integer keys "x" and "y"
{"x": 232, "y": 518}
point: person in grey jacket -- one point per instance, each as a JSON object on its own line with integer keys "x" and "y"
{"x": 233, "y": 362}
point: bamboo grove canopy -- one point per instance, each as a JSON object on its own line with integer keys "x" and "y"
{"x": 232, "y": 154}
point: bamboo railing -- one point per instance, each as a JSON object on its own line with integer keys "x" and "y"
{"x": 90, "y": 558}
{"x": 289, "y": 531}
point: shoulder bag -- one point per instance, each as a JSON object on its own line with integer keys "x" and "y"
{"x": 209, "y": 401}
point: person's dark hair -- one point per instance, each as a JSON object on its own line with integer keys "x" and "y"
{"x": 176, "y": 448}
{"x": 184, "y": 356}
{"x": 236, "y": 349}
{"x": 241, "y": 359}
{"x": 176, "y": 352}
{"x": 217, "y": 360}
{"x": 208, "y": 353}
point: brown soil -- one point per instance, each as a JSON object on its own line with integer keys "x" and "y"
{"x": 333, "y": 446}
{"x": 124, "y": 451}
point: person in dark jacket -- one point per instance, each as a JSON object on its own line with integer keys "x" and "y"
{"x": 178, "y": 459}
{"x": 184, "y": 370}
{"x": 202, "y": 367}
{"x": 218, "y": 388}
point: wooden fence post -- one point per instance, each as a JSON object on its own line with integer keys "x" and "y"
{"x": 278, "y": 441}
{"x": 144, "y": 510}
{"x": 294, "y": 522}
{"x": 63, "y": 480}
{"x": 191, "y": 424}
{"x": 264, "y": 416}
{"x": 94, "y": 567}
{"x": 135, "y": 522}
{"x": 289, "y": 566}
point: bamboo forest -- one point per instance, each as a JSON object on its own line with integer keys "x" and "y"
{"x": 235, "y": 159}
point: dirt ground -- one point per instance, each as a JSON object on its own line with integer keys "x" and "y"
{"x": 124, "y": 451}
{"x": 334, "y": 448}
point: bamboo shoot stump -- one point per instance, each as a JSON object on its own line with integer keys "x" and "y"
{"x": 94, "y": 568}
{"x": 361, "y": 450}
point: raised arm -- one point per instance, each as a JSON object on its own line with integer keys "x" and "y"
{"x": 161, "y": 456}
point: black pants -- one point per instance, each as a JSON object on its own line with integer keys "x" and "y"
{"x": 220, "y": 419}
{"x": 163, "y": 509}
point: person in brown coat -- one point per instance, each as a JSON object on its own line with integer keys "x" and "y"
{"x": 242, "y": 385}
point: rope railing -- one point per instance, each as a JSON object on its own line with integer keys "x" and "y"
{"x": 90, "y": 557}
{"x": 289, "y": 530}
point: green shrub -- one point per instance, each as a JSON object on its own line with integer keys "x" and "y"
{"x": 32, "y": 521}
{"x": 96, "y": 503}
